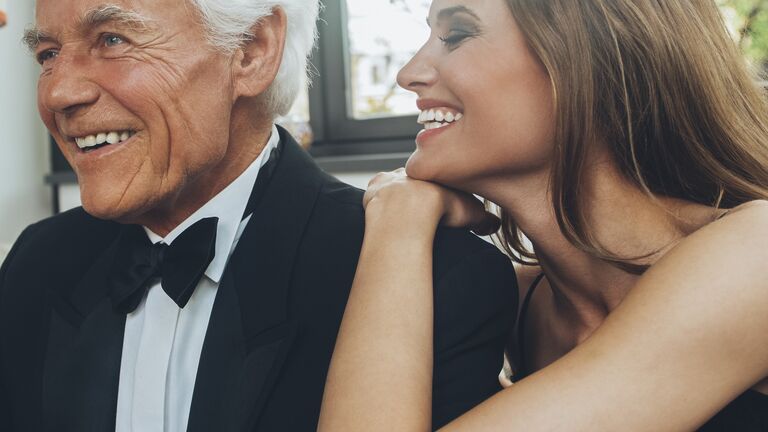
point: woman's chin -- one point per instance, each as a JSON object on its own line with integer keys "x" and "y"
{"x": 418, "y": 168}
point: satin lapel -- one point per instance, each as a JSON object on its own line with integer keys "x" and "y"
{"x": 250, "y": 332}
{"x": 82, "y": 365}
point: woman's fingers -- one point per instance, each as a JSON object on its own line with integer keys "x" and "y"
{"x": 394, "y": 185}
{"x": 459, "y": 209}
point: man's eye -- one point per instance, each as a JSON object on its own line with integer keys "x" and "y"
{"x": 46, "y": 56}
{"x": 112, "y": 40}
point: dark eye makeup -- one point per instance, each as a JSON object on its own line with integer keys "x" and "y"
{"x": 455, "y": 37}
{"x": 459, "y": 29}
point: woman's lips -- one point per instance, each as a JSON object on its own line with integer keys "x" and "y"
{"x": 426, "y": 134}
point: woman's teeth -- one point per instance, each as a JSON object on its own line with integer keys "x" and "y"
{"x": 434, "y": 125}
{"x": 103, "y": 138}
{"x": 437, "y": 118}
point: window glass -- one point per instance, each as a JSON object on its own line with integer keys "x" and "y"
{"x": 382, "y": 36}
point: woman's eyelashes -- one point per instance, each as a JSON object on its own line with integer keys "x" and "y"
{"x": 453, "y": 38}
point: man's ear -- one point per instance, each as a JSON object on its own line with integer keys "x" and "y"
{"x": 256, "y": 63}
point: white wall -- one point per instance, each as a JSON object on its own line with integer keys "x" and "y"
{"x": 24, "y": 155}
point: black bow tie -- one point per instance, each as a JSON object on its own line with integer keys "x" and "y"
{"x": 179, "y": 266}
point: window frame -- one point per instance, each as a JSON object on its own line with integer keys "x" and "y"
{"x": 336, "y": 132}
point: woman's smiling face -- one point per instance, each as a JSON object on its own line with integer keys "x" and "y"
{"x": 486, "y": 99}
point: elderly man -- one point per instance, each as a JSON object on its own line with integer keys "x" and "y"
{"x": 202, "y": 284}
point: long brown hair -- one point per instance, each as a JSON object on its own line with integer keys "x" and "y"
{"x": 665, "y": 86}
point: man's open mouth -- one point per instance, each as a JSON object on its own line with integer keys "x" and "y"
{"x": 97, "y": 141}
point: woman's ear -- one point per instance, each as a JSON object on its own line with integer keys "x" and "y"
{"x": 256, "y": 63}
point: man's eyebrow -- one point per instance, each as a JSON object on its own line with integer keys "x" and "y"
{"x": 449, "y": 12}
{"x": 97, "y": 16}
{"x": 33, "y": 36}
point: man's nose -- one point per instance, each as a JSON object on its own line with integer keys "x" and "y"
{"x": 418, "y": 73}
{"x": 68, "y": 88}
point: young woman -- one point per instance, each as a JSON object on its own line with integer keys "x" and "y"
{"x": 626, "y": 139}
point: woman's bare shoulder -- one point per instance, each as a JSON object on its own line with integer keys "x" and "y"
{"x": 724, "y": 259}
{"x": 735, "y": 242}
{"x": 755, "y": 208}
{"x": 741, "y": 232}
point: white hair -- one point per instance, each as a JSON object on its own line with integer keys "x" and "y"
{"x": 229, "y": 23}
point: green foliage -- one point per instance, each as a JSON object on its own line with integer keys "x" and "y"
{"x": 748, "y": 22}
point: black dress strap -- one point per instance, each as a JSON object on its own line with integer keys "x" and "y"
{"x": 520, "y": 369}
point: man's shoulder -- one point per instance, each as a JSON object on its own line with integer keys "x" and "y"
{"x": 72, "y": 237}
{"x": 455, "y": 247}
{"x": 336, "y": 192}
{"x": 339, "y": 209}
{"x": 471, "y": 277}
{"x": 67, "y": 229}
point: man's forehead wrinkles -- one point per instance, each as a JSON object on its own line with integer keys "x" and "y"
{"x": 112, "y": 13}
{"x": 102, "y": 14}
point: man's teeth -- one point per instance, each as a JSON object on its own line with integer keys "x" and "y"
{"x": 103, "y": 138}
{"x": 436, "y": 118}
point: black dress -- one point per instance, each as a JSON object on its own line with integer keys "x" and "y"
{"x": 746, "y": 413}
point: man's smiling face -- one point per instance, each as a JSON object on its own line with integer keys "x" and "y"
{"x": 135, "y": 97}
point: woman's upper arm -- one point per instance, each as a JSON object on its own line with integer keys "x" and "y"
{"x": 689, "y": 338}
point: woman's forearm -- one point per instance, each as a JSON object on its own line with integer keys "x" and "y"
{"x": 381, "y": 374}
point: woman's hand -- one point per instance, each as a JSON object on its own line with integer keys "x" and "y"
{"x": 392, "y": 195}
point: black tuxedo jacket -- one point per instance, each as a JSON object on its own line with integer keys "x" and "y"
{"x": 273, "y": 325}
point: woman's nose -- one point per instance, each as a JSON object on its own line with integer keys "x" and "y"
{"x": 418, "y": 73}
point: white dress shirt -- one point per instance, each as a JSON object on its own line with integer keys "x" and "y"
{"x": 162, "y": 342}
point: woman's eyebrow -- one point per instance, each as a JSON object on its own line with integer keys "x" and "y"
{"x": 449, "y": 12}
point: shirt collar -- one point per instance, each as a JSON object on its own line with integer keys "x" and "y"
{"x": 228, "y": 205}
